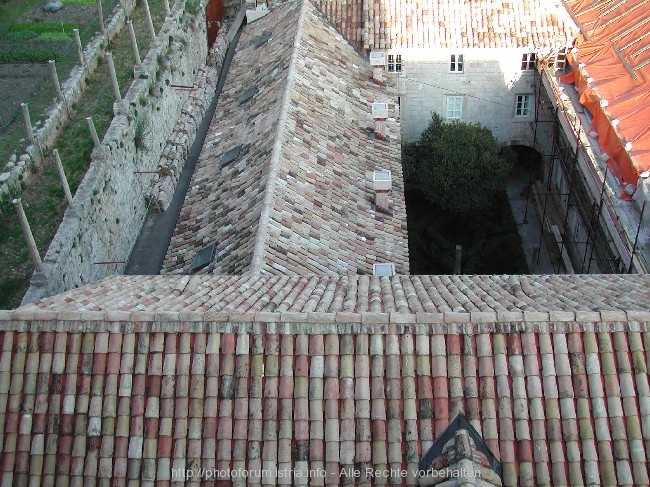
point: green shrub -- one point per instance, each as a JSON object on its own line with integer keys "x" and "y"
{"x": 81, "y": 2}
{"x": 27, "y": 55}
{"x": 192, "y": 6}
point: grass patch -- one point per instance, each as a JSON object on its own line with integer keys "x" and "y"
{"x": 20, "y": 35}
{"x": 55, "y": 36}
{"x": 41, "y": 27}
{"x": 27, "y": 55}
{"x": 81, "y": 2}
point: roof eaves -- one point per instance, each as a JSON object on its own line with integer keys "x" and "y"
{"x": 267, "y": 204}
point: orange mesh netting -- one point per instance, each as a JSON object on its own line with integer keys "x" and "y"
{"x": 614, "y": 48}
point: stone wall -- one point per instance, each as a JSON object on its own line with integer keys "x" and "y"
{"x": 174, "y": 156}
{"x": 109, "y": 206}
{"x": 489, "y": 83}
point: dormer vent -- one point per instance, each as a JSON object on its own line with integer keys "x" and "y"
{"x": 382, "y": 183}
{"x": 381, "y": 180}
{"x": 378, "y": 58}
{"x": 230, "y": 156}
{"x": 203, "y": 258}
{"x": 386, "y": 269}
{"x": 255, "y": 10}
{"x": 380, "y": 110}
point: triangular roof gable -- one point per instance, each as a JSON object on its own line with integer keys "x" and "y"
{"x": 459, "y": 423}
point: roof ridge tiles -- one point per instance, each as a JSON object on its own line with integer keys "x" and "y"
{"x": 259, "y": 249}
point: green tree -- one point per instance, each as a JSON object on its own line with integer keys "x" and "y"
{"x": 458, "y": 166}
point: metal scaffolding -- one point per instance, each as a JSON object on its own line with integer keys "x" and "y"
{"x": 598, "y": 247}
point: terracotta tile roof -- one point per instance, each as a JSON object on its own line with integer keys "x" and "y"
{"x": 85, "y": 408}
{"x": 349, "y": 299}
{"x": 298, "y": 200}
{"x": 386, "y": 24}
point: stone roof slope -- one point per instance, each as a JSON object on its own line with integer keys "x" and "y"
{"x": 322, "y": 221}
{"x": 389, "y": 24}
{"x": 298, "y": 200}
{"x": 223, "y": 204}
{"x": 459, "y": 298}
{"x": 85, "y": 408}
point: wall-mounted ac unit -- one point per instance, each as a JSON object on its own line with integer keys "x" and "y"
{"x": 380, "y": 110}
{"x": 377, "y": 58}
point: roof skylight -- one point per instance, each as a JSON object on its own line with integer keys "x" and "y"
{"x": 203, "y": 258}
{"x": 262, "y": 39}
{"x": 247, "y": 95}
{"x": 230, "y": 156}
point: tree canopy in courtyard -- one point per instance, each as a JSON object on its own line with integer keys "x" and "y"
{"x": 458, "y": 166}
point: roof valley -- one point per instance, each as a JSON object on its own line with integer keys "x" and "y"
{"x": 259, "y": 249}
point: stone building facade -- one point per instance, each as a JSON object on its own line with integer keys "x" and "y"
{"x": 481, "y": 87}
{"x": 465, "y": 60}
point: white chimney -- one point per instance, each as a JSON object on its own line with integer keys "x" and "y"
{"x": 382, "y": 184}
{"x": 378, "y": 62}
{"x": 378, "y": 75}
{"x": 380, "y": 115}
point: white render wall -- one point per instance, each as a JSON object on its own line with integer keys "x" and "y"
{"x": 490, "y": 81}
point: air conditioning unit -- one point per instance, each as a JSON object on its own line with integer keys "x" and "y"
{"x": 381, "y": 180}
{"x": 380, "y": 110}
{"x": 377, "y": 58}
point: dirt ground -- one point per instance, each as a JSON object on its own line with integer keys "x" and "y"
{"x": 20, "y": 81}
{"x": 23, "y": 79}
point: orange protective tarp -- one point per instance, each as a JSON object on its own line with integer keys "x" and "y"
{"x": 608, "y": 27}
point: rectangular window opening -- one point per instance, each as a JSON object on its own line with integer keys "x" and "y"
{"x": 454, "y": 107}
{"x": 528, "y": 61}
{"x": 523, "y": 105}
{"x": 560, "y": 60}
{"x": 394, "y": 63}
{"x": 456, "y": 63}
{"x": 384, "y": 269}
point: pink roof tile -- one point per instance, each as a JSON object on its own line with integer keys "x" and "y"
{"x": 624, "y": 293}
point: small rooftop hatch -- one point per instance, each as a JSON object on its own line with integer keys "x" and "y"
{"x": 381, "y": 180}
{"x": 230, "y": 156}
{"x": 262, "y": 39}
{"x": 247, "y": 95}
{"x": 203, "y": 258}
